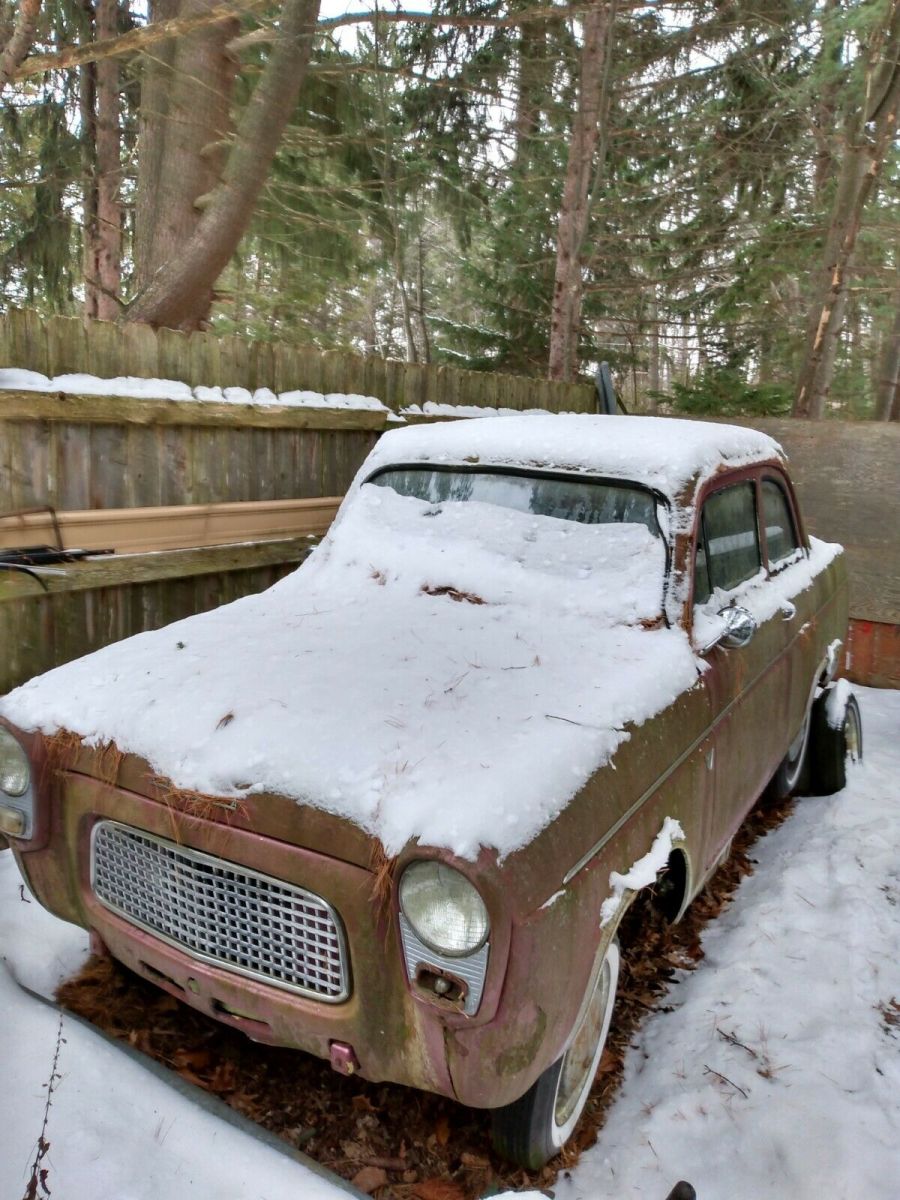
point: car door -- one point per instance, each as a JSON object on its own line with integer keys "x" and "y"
{"x": 783, "y": 543}
{"x": 747, "y": 686}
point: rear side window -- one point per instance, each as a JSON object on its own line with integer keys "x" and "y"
{"x": 781, "y": 536}
{"x": 728, "y": 546}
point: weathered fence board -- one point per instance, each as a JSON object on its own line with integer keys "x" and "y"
{"x": 107, "y": 599}
{"x": 64, "y": 345}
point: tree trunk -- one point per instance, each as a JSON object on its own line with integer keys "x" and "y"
{"x": 87, "y": 100}
{"x": 531, "y": 92}
{"x": 186, "y": 92}
{"x": 653, "y": 377}
{"x": 565, "y": 316}
{"x": 830, "y": 75}
{"x": 862, "y": 159}
{"x": 421, "y": 322}
{"x": 18, "y": 40}
{"x": 179, "y": 294}
{"x": 887, "y": 382}
{"x": 102, "y": 208}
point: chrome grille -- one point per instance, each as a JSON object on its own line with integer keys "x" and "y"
{"x": 220, "y": 912}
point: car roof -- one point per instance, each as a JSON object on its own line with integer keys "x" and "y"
{"x": 664, "y": 453}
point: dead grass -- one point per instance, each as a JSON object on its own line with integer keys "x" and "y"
{"x": 890, "y": 1017}
{"x": 399, "y": 1142}
{"x": 453, "y": 593}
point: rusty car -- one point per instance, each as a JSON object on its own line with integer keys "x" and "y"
{"x": 392, "y": 810}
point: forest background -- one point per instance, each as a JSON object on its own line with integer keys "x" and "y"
{"x": 704, "y": 193}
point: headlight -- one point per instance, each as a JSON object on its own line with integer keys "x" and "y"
{"x": 15, "y": 773}
{"x": 444, "y": 909}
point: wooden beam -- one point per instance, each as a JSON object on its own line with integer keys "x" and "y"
{"x": 121, "y": 570}
{"x": 175, "y": 527}
{"x": 130, "y": 410}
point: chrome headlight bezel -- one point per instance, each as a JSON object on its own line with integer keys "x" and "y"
{"x": 433, "y": 896}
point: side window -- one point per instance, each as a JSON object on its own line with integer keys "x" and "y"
{"x": 730, "y": 550}
{"x": 781, "y": 537}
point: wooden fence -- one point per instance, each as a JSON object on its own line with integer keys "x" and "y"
{"x": 94, "y": 452}
{"x": 77, "y": 453}
{"x": 65, "y": 345}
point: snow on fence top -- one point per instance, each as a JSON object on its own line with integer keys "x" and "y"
{"x": 15, "y": 379}
{"x": 660, "y": 452}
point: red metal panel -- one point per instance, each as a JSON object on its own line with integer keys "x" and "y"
{"x": 873, "y": 654}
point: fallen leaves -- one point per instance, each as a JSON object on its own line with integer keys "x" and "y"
{"x": 369, "y": 1179}
{"x": 438, "y": 1189}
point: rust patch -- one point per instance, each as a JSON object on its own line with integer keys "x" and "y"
{"x": 517, "y": 1058}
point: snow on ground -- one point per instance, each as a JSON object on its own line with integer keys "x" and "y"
{"x": 796, "y": 970}
{"x": 115, "y": 1130}
{"x": 16, "y": 379}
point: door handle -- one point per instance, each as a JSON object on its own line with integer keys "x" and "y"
{"x": 788, "y": 610}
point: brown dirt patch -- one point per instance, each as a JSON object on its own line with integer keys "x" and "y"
{"x": 393, "y": 1141}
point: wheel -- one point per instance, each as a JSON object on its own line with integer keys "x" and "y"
{"x": 537, "y": 1125}
{"x": 832, "y": 746}
{"x": 793, "y": 771}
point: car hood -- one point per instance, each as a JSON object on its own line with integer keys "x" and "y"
{"x": 447, "y": 675}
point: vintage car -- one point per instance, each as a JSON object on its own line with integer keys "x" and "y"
{"x": 390, "y": 812}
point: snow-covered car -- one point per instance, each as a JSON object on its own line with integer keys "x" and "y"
{"x": 391, "y": 811}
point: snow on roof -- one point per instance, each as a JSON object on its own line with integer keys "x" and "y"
{"x": 661, "y": 452}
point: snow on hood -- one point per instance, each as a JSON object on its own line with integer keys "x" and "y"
{"x": 465, "y": 718}
{"x": 661, "y": 452}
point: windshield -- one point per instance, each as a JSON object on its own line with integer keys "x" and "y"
{"x": 586, "y": 501}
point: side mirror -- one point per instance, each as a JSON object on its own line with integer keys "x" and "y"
{"x": 740, "y": 626}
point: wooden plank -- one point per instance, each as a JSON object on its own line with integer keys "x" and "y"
{"x": 109, "y": 466}
{"x": 104, "y": 350}
{"x": 139, "y": 351}
{"x": 35, "y": 337}
{"x": 135, "y": 530}
{"x": 173, "y": 355}
{"x": 66, "y": 346}
{"x": 125, "y": 410}
{"x": 73, "y": 467}
{"x": 119, "y": 570}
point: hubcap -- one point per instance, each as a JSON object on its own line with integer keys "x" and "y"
{"x": 579, "y": 1060}
{"x": 853, "y": 736}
